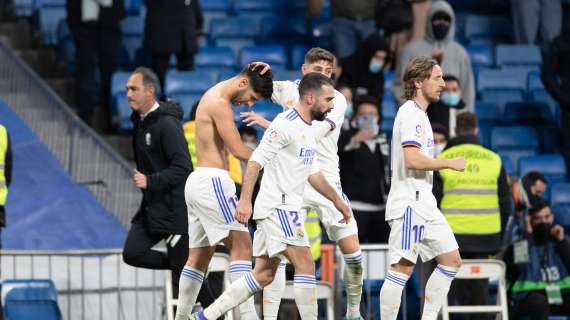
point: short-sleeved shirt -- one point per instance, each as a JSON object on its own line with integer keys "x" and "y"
{"x": 288, "y": 154}
{"x": 286, "y": 94}
{"x": 411, "y": 187}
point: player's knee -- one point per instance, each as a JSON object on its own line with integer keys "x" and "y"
{"x": 264, "y": 277}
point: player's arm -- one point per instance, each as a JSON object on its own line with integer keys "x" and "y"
{"x": 414, "y": 159}
{"x": 224, "y": 119}
{"x": 243, "y": 208}
{"x": 318, "y": 181}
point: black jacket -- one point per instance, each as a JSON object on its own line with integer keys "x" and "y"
{"x": 8, "y": 177}
{"x": 365, "y": 173}
{"x": 170, "y": 24}
{"x": 108, "y": 17}
{"x": 479, "y": 243}
{"x": 438, "y": 112}
{"x": 161, "y": 153}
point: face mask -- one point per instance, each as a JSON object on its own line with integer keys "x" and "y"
{"x": 251, "y": 145}
{"x": 541, "y": 231}
{"x": 348, "y": 111}
{"x": 450, "y": 99}
{"x": 438, "y": 148}
{"x": 440, "y": 31}
{"x": 375, "y": 65}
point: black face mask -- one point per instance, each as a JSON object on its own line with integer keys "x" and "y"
{"x": 440, "y": 30}
{"x": 541, "y": 231}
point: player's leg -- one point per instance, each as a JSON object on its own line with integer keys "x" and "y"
{"x": 350, "y": 248}
{"x": 242, "y": 289}
{"x": 305, "y": 283}
{"x": 273, "y": 292}
{"x": 239, "y": 245}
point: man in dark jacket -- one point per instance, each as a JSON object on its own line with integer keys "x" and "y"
{"x": 476, "y": 203}
{"x": 172, "y": 26}
{"x": 96, "y": 29}
{"x": 163, "y": 164}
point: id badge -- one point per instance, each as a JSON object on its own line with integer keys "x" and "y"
{"x": 521, "y": 252}
{"x": 553, "y": 294}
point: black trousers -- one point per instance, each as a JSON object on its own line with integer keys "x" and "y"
{"x": 161, "y": 60}
{"x": 535, "y": 307}
{"x": 372, "y": 227}
{"x": 138, "y": 251}
{"x": 96, "y": 49}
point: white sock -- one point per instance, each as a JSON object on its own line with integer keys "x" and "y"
{"x": 306, "y": 296}
{"x": 238, "y": 269}
{"x": 273, "y": 292}
{"x": 190, "y": 283}
{"x": 238, "y": 292}
{"x": 391, "y": 294}
{"x": 437, "y": 288}
{"x": 353, "y": 283}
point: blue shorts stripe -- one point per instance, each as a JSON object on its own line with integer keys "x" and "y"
{"x": 285, "y": 223}
{"x": 409, "y": 237}
{"x": 220, "y": 200}
{"x": 283, "y": 226}
{"x": 225, "y": 202}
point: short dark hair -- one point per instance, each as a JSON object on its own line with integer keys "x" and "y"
{"x": 149, "y": 78}
{"x": 261, "y": 84}
{"x": 450, "y": 77}
{"x": 535, "y": 176}
{"x": 418, "y": 69}
{"x": 538, "y": 205}
{"x": 362, "y": 99}
{"x": 465, "y": 123}
{"x": 313, "y": 81}
{"x": 317, "y": 54}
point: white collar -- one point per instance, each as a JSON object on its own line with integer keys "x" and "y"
{"x": 154, "y": 107}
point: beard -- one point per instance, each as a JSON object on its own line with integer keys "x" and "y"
{"x": 318, "y": 115}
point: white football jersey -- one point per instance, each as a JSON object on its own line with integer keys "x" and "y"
{"x": 286, "y": 94}
{"x": 287, "y": 152}
{"x": 411, "y": 187}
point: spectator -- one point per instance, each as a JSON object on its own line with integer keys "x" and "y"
{"x": 395, "y": 18}
{"x": 162, "y": 166}
{"x": 347, "y": 92}
{"x": 440, "y": 138}
{"x": 538, "y": 269}
{"x": 365, "y": 170}
{"x": 96, "y": 29}
{"x": 556, "y": 78}
{"x": 172, "y": 27}
{"x": 364, "y": 70}
{"x": 450, "y": 103}
{"x": 533, "y": 16}
{"x": 439, "y": 43}
{"x": 352, "y": 22}
{"x": 476, "y": 203}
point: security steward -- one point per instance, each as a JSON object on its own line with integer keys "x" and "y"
{"x": 476, "y": 203}
{"x": 162, "y": 167}
{"x": 5, "y": 174}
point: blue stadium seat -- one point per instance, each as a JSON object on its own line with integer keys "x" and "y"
{"x": 501, "y": 97}
{"x": 527, "y": 113}
{"x": 514, "y": 142}
{"x": 550, "y": 138}
{"x": 511, "y": 79}
{"x": 544, "y": 96}
{"x": 133, "y": 25}
{"x": 389, "y": 108}
{"x": 389, "y": 77}
{"x": 133, "y": 7}
{"x": 49, "y": 18}
{"x": 233, "y": 32}
{"x": 23, "y": 8}
{"x": 486, "y": 28}
{"x": 508, "y": 165}
{"x": 267, "y": 109}
{"x": 560, "y": 193}
{"x": 196, "y": 82}
{"x": 488, "y": 112}
{"x": 322, "y": 33}
{"x": 552, "y": 166}
{"x": 508, "y": 54}
{"x": 119, "y": 82}
{"x": 214, "y": 9}
{"x": 133, "y": 44}
{"x": 284, "y": 75}
{"x": 534, "y": 82}
{"x": 225, "y": 75}
{"x": 298, "y": 56}
{"x": 562, "y": 215}
{"x": 186, "y": 101}
{"x": 283, "y": 29}
{"x": 30, "y": 299}
{"x": 481, "y": 55}
{"x": 121, "y": 114}
{"x": 256, "y": 7}
{"x": 275, "y": 56}
{"x": 215, "y": 58}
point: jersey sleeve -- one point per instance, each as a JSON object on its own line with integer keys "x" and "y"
{"x": 315, "y": 165}
{"x": 334, "y": 119}
{"x": 411, "y": 130}
{"x": 281, "y": 94}
{"x": 276, "y": 137}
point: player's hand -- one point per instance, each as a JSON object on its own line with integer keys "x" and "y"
{"x": 557, "y": 232}
{"x": 343, "y": 208}
{"x": 363, "y": 135}
{"x": 251, "y": 118}
{"x": 457, "y": 164}
{"x": 139, "y": 179}
{"x": 243, "y": 211}
{"x": 261, "y": 66}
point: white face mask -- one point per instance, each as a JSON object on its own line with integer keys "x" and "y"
{"x": 438, "y": 148}
{"x": 375, "y": 65}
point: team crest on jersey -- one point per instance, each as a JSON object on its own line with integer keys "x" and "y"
{"x": 300, "y": 233}
{"x": 290, "y": 103}
{"x": 273, "y": 135}
{"x": 419, "y": 131}
{"x": 147, "y": 138}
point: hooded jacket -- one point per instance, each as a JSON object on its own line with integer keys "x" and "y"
{"x": 455, "y": 60}
{"x": 355, "y": 68}
{"x": 161, "y": 153}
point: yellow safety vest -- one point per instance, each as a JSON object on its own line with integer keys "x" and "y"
{"x": 190, "y": 135}
{"x": 313, "y": 230}
{"x": 470, "y": 199}
{"x": 3, "y": 150}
